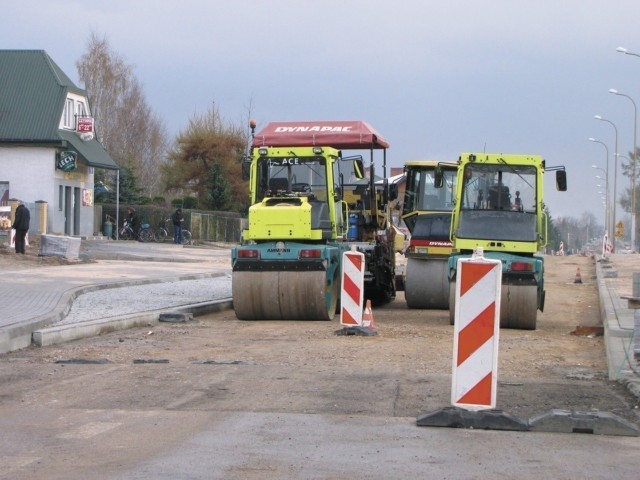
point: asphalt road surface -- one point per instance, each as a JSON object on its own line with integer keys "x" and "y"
{"x": 227, "y": 399}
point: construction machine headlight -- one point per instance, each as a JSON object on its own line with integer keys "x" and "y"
{"x": 317, "y": 150}
{"x": 262, "y": 152}
{"x": 248, "y": 253}
{"x": 522, "y": 267}
{"x": 310, "y": 253}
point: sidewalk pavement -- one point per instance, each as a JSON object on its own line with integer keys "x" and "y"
{"x": 38, "y": 299}
{"x": 615, "y": 286}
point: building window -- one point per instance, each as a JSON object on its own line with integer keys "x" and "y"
{"x": 68, "y": 114}
{"x": 60, "y": 197}
{"x": 80, "y": 111}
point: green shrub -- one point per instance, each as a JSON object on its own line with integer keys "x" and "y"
{"x": 190, "y": 202}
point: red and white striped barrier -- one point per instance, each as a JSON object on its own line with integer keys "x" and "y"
{"x": 607, "y": 248}
{"x": 476, "y": 333}
{"x": 352, "y": 295}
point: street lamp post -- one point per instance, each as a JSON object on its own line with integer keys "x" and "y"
{"x": 606, "y": 174}
{"x": 604, "y": 203}
{"x": 615, "y": 179}
{"x": 626, "y": 52}
{"x": 629, "y": 160}
{"x": 604, "y": 196}
{"x": 633, "y": 167}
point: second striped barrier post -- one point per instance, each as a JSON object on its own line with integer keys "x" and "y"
{"x": 475, "y": 351}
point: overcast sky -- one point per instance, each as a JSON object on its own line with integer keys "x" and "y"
{"x": 435, "y": 78}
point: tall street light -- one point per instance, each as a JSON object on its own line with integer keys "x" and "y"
{"x": 615, "y": 179}
{"x": 606, "y": 174}
{"x": 605, "y": 196}
{"x": 633, "y": 167}
{"x": 628, "y": 160}
{"x": 626, "y": 52}
{"x": 604, "y": 200}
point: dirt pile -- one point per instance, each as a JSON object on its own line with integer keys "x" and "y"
{"x": 10, "y": 260}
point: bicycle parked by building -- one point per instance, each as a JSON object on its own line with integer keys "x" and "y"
{"x": 126, "y": 232}
{"x": 162, "y": 233}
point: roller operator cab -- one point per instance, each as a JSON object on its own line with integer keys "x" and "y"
{"x": 309, "y": 205}
{"x": 426, "y": 211}
{"x": 300, "y": 184}
{"x": 499, "y": 208}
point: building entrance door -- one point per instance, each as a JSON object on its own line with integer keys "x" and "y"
{"x": 77, "y": 202}
{"x": 68, "y": 209}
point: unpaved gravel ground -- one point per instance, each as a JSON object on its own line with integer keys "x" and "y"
{"x": 218, "y": 362}
{"x": 10, "y": 260}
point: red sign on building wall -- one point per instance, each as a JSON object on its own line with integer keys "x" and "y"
{"x": 85, "y": 125}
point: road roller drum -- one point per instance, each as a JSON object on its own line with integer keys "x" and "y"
{"x": 427, "y": 283}
{"x": 284, "y": 295}
{"x": 518, "y": 306}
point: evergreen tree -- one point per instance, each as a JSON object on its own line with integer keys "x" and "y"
{"x": 553, "y": 233}
{"x": 129, "y": 190}
{"x": 218, "y": 189}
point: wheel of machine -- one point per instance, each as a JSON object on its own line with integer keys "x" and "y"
{"x": 331, "y": 296}
{"x": 427, "y": 283}
{"x": 452, "y": 303}
{"x": 519, "y": 306}
{"x": 283, "y": 296}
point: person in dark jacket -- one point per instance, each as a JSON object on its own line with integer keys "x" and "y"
{"x": 134, "y": 221}
{"x": 21, "y": 226}
{"x": 177, "y": 219}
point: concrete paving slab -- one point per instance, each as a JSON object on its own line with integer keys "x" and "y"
{"x": 615, "y": 283}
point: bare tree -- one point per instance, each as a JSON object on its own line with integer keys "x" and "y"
{"x": 127, "y": 127}
{"x": 574, "y": 232}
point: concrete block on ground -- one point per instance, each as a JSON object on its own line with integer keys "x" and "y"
{"x": 176, "y": 317}
{"x": 59, "y": 246}
{"x": 571, "y": 421}
{"x": 636, "y": 334}
{"x": 455, "y": 417}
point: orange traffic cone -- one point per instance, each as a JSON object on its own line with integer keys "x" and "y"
{"x": 578, "y": 276}
{"x": 367, "y": 316}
